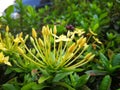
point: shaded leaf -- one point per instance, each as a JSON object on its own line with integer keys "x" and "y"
{"x": 60, "y": 76}
{"x": 105, "y": 84}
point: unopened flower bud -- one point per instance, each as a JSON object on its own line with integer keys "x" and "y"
{"x": 20, "y": 50}
{"x": 7, "y": 28}
{"x": 40, "y": 42}
{"x": 34, "y": 34}
{"x": 82, "y": 42}
{"x": 79, "y": 40}
{"x": 31, "y": 39}
{"x": 47, "y": 31}
{"x": 72, "y": 48}
{"x": 21, "y": 34}
{"x": 92, "y": 32}
{"x": 91, "y": 57}
{"x": 55, "y": 30}
{"x": 88, "y": 55}
{"x": 43, "y": 30}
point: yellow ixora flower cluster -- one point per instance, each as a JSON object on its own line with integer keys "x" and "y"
{"x": 9, "y": 42}
{"x": 58, "y": 51}
{"x": 4, "y": 60}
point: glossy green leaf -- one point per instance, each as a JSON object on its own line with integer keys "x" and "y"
{"x": 8, "y": 87}
{"x": 95, "y": 27}
{"x": 106, "y": 83}
{"x": 60, "y": 76}
{"x": 28, "y": 86}
{"x": 116, "y": 60}
{"x": 43, "y": 78}
{"x": 82, "y": 80}
{"x": 104, "y": 60}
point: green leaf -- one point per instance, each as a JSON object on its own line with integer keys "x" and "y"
{"x": 28, "y": 86}
{"x": 85, "y": 88}
{"x": 43, "y": 78}
{"x": 82, "y": 80}
{"x": 116, "y": 60}
{"x": 65, "y": 85}
{"x": 104, "y": 61}
{"x": 60, "y": 76}
{"x": 95, "y": 27}
{"x": 105, "y": 84}
{"x": 96, "y": 72}
{"x": 9, "y": 10}
{"x": 103, "y": 15}
{"x": 18, "y": 70}
{"x": 8, "y": 87}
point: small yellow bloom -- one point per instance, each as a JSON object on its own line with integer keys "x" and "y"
{"x": 40, "y": 42}
{"x": 4, "y": 60}
{"x": 62, "y": 38}
{"x": 55, "y": 30}
{"x": 2, "y": 47}
{"x": 17, "y": 40}
{"x": 83, "y": 42}
{"x": 88, "y": 55}
{"x": 79, "y": 40}
{"x": 92, "y": 32}
{"x": 34, "y": 34}
{"x": 43, "y": 30}
{"x": 47, "y": 31}
{"x": 79, "y": 31}
{"x": 20, "y": 50}
{"x": 20, "y": 35}
{"x": 91, "y": 57}
{"x": 7, "y": 28}
{"x": 97, "y": 40}
{"x": 72, "y": 48}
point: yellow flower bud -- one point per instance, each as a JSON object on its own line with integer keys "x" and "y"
{"x": 92, "y": 32}
{"x": 83, "y": 42}
{"x": 47, "y": 31}
{"x": 79, "y": 40}
{"x": 40, "y": 42}
{"x": 91, "y": 57}
{"x": 7, "y": 28}
{"x": 20, "y": 51}
{"x": 34, "y": 34}
{"x": 43, "y": 30}
{"x": 72, "y": 48}
{"x": 4, "y": 59}
{"x": 88, "y": 55}
{"x": 97, "y": 40}
{"x": 55, "y": 30}
{"x": 21, "y": 34}
{"x": 31, "y": 39}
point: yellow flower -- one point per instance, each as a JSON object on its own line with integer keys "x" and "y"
{"x": 4, "y": 59}
{"x": 2, "y": 46}
{"x": 7, "y": 28}
{"x": 34, "y": 34}
{"x": 20, "y": 51}
{"x": 72, "y": 48}
{"x": 62, "y": 38}
{"x": 79, "y": 31}
{"x": 40, "y": 42}
{"x": 92, "y": 32}
{"x": 88, "y": 55}
{"x": 97, "y": 40}
{"x": 17, "y": 40}
{"x": 55, "y": 30}
{"x": 82, "y": 41}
